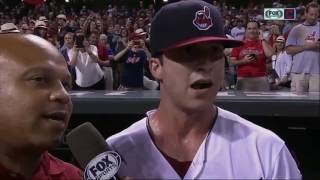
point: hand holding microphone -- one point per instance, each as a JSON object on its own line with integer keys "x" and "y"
{"x": 92, "y": 153}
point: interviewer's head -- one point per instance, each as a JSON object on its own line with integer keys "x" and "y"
{"x": 34, "y": 103}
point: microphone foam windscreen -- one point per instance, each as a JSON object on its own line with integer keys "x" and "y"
{"x": 85, "y": 143}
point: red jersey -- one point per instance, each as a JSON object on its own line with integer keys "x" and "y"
{"x": 51, "y": 168}
{"x": 102, "y": 53}
{"x": 256, "y": 69}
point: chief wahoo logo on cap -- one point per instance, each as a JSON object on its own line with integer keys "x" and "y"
{"x": 203, "y": 19}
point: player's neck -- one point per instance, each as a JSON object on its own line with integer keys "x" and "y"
{"x": 178, "y": 134}
{"x": 181, "y": 123}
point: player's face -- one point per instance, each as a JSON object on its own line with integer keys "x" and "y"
{"x": 312, "y": 15}
{"x": 34, "y": 102}
{"x": 190, "y": 77}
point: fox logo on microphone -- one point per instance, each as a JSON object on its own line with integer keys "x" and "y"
{"x": 103, "y": 166}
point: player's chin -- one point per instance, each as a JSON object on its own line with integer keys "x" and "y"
{"x": 199, "y": 105}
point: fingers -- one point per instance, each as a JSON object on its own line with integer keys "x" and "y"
{"x": 249, "y": 58}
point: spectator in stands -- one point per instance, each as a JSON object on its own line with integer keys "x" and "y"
{"x": 62, "y": 28}
{"x": 251, "y": 60}
{"x": 303, "y": 44}
{"x": 149, "y": 82}
{"x": 274, "y": 33}
{"x": 264, "y": 30}
{"x": 121, "y": 44}
{"x": 35, "y": 109}
{"x": 133, "y": 68}
{"x": 25, "y": 29}
{"x": 81, "y": 22}
{"x": 41, "y": 29}
{"x": 238, "y": 31}
{"x": 94, "y": 38}
{"x": 44, "y": 19}
{"x": 84, "y": 58}
{"x": 99, "y": 25}
{"x": 65, "y": 49}
{"x": 117, "y": 29}
{"x": 32, "y": 24}
{"x": 113, "y": 38}
{"x": 281, "y": 63}
{"x": 105, "y": 56}
{"x": 187, "y": 136}
{"x": 122, "y": 41}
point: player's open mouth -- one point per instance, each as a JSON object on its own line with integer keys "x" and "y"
{"x": 201, "y": 84}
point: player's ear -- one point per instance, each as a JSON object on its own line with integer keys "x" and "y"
{"x": 155, "y": 66}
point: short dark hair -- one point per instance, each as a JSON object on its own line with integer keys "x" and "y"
{"x": 71, "y": 34}
{"x": 312, "y": 5}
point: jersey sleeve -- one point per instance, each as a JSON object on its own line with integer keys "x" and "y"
{"x": 292, "y": 37}
{"x": 285, "y": 166}
{"x": 235, "y": 53}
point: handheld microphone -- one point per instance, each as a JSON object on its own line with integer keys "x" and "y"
{"x": 93, "y": 153}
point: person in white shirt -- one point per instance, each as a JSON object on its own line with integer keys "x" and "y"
{"x": 303, "y": 44}
{"x": 188, "y": 137}
{"x": 84, "y": 57}
{"x": 238, "y": 32}
{"x": 281, "y": 63}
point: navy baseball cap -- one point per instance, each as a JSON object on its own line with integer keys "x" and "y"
{"x": 185, "y": 23}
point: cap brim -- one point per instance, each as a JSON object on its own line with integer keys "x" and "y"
{"x": 42, "y": 27}
{"x": 10, "y": 31}
{"x": 142, "y": 34}
{"x": 227, "y": 43}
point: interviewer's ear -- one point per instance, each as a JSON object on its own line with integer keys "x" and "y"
{"x": 155, "y": 67}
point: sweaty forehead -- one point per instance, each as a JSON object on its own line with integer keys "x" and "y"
{"x": 27, "y": 49}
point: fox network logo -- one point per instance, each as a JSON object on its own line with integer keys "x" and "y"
{"x": 104, "y": 166}
{"x": 279, "y": 13}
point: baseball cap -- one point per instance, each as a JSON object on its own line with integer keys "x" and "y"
{"x": 62, "y": 16}
{"x": 185, "y": 23}
{"x": 140, "y": 32}
{"x": 40, "y": 24}
{"x": 280, "y": 39}
{"x": 9, "y": 28}
{"x": 43, "y": 18}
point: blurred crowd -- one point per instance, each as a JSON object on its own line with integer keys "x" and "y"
{"x": 107, "y": 49}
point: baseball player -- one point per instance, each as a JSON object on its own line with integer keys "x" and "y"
{"x": 187, "y": 137}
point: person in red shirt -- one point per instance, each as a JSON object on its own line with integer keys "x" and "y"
{"x": 105, "y": 56}
{"x": 35, "y": 109}
{"x": 250, "y": 60}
